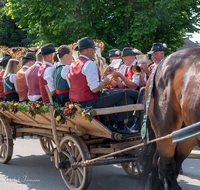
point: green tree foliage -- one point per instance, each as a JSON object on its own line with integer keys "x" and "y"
{"x": 10, "y": 34}
{"x": 133, "y": 23}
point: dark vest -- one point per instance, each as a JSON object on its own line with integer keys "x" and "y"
{"x": 8, "y": 86}
{"x": 61, "y": 84}
{"x": 42, "y": 83}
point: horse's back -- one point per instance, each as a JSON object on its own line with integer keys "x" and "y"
{"x": 177, "y": 86}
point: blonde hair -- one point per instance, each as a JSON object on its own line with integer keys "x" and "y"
{"x": 11, "y": 67}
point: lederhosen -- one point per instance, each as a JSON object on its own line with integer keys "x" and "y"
{"x": 10, "y": 93}
{"x": 61, "y": 85}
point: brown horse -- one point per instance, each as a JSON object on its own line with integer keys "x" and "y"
{"x": 175, "y": 99}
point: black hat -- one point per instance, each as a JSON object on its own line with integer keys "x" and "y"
{"x": 114, "y": 53}
{"x": 29, "y": 55}
{"x": 4, "y": 61}
{"x": 127, "y": 51}
{"x": 47, "y": 49}
{"x": 158, "y": 47}
{"x": 85, "y": 43}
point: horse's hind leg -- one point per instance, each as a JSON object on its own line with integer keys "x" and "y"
{"x": 183, "y": 150}
{"x": 166, "y": 149}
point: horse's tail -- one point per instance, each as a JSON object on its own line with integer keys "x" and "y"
{"x": 148, "y": 157}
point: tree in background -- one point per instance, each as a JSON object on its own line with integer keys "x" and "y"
{"x": 10, "y": 34}
{"x": 133, "y": 23}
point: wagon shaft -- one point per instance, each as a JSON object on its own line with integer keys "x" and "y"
{"x": 105, "y": 162}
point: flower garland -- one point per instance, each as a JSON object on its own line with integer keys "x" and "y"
{"x": 87, "y": 113}
{"x": 33, "y": 108}
{"x": 36, "y": 108}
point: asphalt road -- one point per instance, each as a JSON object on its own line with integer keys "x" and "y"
{"x": 31, "y": 169}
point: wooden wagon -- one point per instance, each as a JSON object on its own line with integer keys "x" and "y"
{"x": 78, "y": 139}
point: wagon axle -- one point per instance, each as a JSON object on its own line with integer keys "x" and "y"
{"x": 64, "y": 165}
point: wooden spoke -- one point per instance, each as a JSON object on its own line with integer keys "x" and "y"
{"x": 138, "y": 168}
{"x": 68, "y": 148}
{"x": 81, "y": 171}
{"x": 51, "y": 145}
{"x": 133, "y": 169}
{"x": 72, "y": 177}
{"x": 47, "y": 145}
{"x": 66, "y": 154}
{"x": 68, "y": 171}
{"x": 80, "y": 176}
{"x": 73, "y": 147}
{"x": 4, "y": 150}
{"x": 1, "y": 150}
{"x": 76, "y": 152}
{"x": 78, "y": 158}
{"x": 76, "y": 179}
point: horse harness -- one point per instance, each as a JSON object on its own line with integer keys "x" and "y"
{"x": 144, "y": 131}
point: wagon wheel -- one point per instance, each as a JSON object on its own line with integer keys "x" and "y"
{"x": 6, "y": 141}
{"x": 133, "y": 169}
{"x": 48, "y": 145}
{"x": 74, "y": 149}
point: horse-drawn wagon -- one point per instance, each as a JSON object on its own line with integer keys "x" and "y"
{"x": 74, "y": 141}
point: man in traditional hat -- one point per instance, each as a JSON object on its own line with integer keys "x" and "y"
{"x": 46, "y": 72}
{"x": 27, "y": 61}
{"x": 3, "y": 64}
{"x": 114, "y": 54}
{"x": 32, "y": 79}
{"x": 157, "y": 54}
{"x": 85, "y": 85}
{"x": 128, "y": 78}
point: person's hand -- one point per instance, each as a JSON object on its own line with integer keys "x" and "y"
{"x": 106, "y": 81}
{"x": 114, "y": 83}
{"x": 116, "y": 74}
{"x": 108, "y": 71}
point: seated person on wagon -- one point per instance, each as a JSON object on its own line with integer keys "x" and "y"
{"x": 143, "y": 62}
{"x": 3, "y": 64}
{"x": 64, "y": 54}
{"x": 85, "y": 85}
{"x": 32, "y": 79}
{"x": 46, "y": 72}
{"x": 27, "y": 61}
{"x": 9, "y": 81}
{"x": 128, "y": 79}
{"x": 113, "y": 55}
{"x": 157, "y": 54}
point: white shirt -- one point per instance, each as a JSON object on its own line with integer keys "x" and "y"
{"x": 136, "y": 78}
{"x": 33, "y": 98}
{"x": 48, "y": 76}
{"x": 65, "y": 72}
{"x": 12, "y": 79}
{"x": 90, "y": 70}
